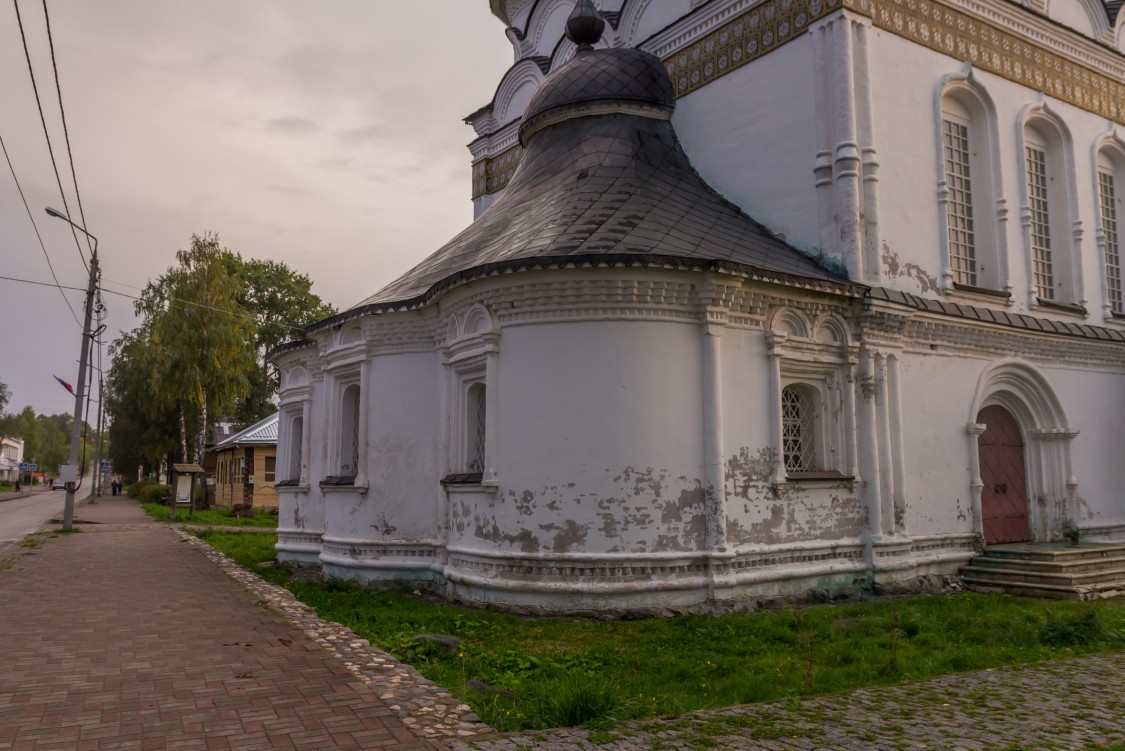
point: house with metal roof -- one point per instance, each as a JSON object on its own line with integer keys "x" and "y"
{"x": 761, "y": 296}
{"x": 245, "y": 466}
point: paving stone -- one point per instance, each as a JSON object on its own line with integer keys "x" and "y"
{"x": 129, "y": 638}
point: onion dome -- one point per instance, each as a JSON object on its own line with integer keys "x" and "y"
{"x": 585, "y": 25}
{"x": 601, "y": 82}
{"x": 605, "y": 81}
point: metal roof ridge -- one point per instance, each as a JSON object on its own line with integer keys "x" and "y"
{"x": 248, "y": 433}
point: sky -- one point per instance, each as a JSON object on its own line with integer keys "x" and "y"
{"x": 327, "y": 135}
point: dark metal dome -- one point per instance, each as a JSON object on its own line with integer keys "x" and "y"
{"x": 600, "y": 76}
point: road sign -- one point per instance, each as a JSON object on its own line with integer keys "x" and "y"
{"x": 23, "y": 466}
{"x": 33, "y": 467}
{"x": 105, "y": 465}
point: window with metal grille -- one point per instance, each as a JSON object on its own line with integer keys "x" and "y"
{"x": 1042, "y": 273}
{"x": 1107, "y": 202}
{"x": 959, "y": 206}
{"x": 798, "y": 415}
{"x": 476, "y": 403}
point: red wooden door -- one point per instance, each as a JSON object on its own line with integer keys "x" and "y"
{"x": 1003, "y": 500}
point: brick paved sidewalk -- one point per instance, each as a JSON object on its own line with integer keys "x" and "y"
{"x": 124, "y": 637}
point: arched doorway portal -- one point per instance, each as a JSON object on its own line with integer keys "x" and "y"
{"x": 1003, "y": 473}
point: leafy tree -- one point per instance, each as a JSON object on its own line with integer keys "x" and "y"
{"x": 46, "y": 438}
{"x": 5, "y": 397}
{"x": 199, "y": 352}
{"x": 141, "y": 433}
{"x": 282, "y": 303}
{"x": 198, "y": 335}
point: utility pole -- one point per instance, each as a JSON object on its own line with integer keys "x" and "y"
{"x": 99, "y": 479}
{"x": 79, "y": 396}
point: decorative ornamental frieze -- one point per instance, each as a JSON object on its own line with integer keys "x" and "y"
{"x": 987, "y": 47}
{"x": 760, "y": 30}
{"x": 491, "y": 175}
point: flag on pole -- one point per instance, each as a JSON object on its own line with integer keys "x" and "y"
{"x": 65, "y": 385}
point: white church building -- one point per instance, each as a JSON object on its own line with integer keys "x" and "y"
{"x": 761, "y": 296}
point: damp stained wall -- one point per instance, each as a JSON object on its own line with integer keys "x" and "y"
{"x": 599, "y": 442}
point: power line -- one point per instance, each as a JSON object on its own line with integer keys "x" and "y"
{"x": 231, "y": 313}
{"x": 46, "y": 134}
{"x": 66, "y": 133}
{"x": 36, "y": 226}
{"x": 45, "y": 284}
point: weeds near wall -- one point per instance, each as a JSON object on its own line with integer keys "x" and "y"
{"x": 523, "y": 673}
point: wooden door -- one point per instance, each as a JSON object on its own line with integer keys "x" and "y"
{"x": 1003, "y": 499}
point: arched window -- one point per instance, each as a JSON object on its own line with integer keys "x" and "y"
{"x": 1039, "y": 200}
{"x": 1046, "y": 213}
{"x": 959, "y": 172}
{"x": 296, "y": 439}
{"x": 475, "y": 406}
{"x": 348, "y": 456}
{"x": 799, "y": 428}
{"x": 970, "y": 187}
{"x": 1110, "y": 162}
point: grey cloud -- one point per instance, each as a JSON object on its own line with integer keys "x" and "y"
{"x": 368, "y": 133}
{"x": 287, "y": 190}
{"x": 290, "y": 125}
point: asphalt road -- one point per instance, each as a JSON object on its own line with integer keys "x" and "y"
{"x": 22, "y": 516}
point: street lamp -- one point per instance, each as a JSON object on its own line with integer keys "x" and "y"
{"x": 75, "y": 433}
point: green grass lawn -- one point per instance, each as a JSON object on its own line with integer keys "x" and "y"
{"x": 552, "y": 672}
{"x": 216, "y": 516}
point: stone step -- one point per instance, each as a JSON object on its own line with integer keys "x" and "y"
{"x": 1101, "y": 590}
{"x": 1082, "y": 572}
{"x": 1061, "y": 566}
{"x": 1032, "y": 552}
{"x": 1036, "y": 577}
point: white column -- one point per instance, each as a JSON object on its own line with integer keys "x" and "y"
{"x": 851, "y": 454}
{"x": 713, "y": 432}
{"x": 899, "y": 458}
{"x": 869, "y": 446}
{"x": 976, "y": 485}
{"x": 847, "y": 164}
{"x": 490, "y": 476}
{"x": 773, "y": 340}
{"x": 822, "y": 167}
{"x": 306, "y": 440}
{"x": 870, "y": 160}
{"x": 883, "y": 436}
{"x": 364, "y": 419}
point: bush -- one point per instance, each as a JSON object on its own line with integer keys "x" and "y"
{"x": 155, "y": 493}
{"x": 136, "y": 490}
{"x": 1073, "y": 630}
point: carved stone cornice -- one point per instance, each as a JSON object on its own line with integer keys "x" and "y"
{"x": 932, "y": 334}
